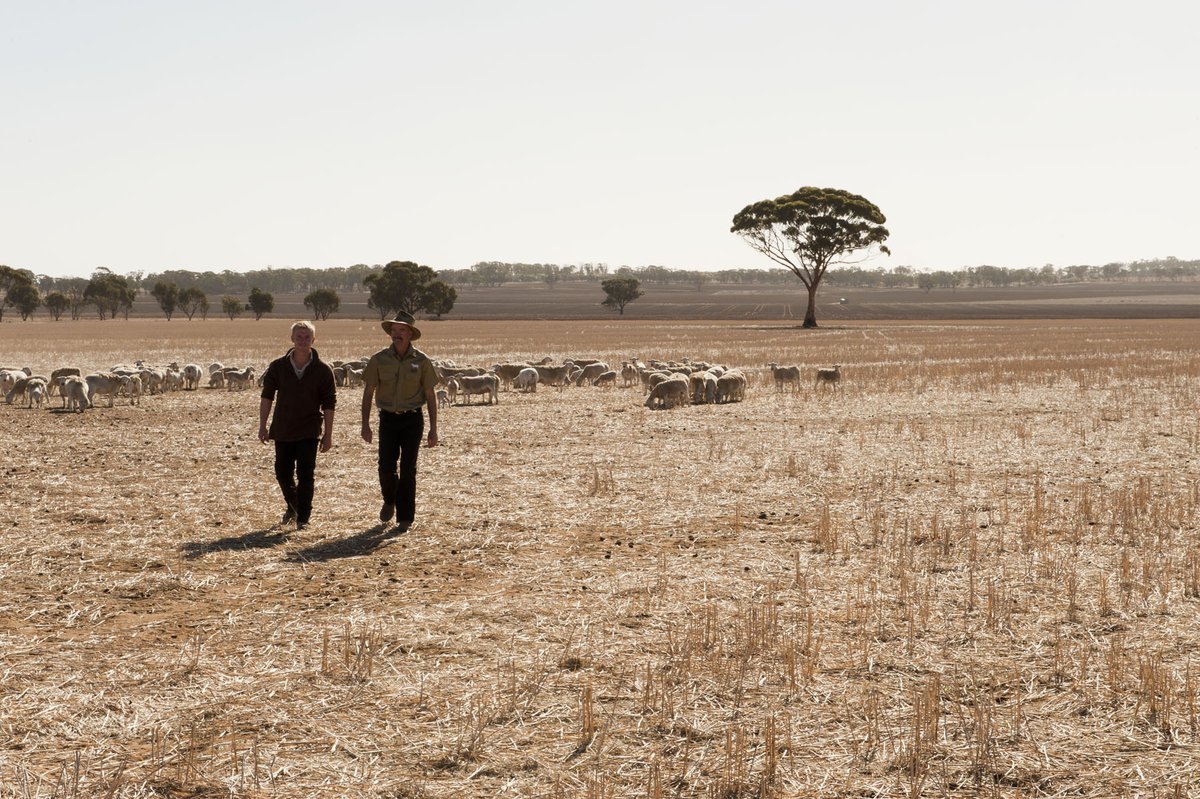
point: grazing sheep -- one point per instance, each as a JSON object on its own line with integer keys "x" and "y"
{"x": 526, "y": 380}
{"x": 590, "y": 372}
{"x": 731, "y": 386}
{"x": 785, "y": 375}
{"x": 608, "y": 378}
{"x": 669, "y": 393}
{"x": 35, "y": 392}
{"x": 831, "y": 376}
{"x": 216, "y": 379}
{"x": 443, "y": 398}
{"x": 74, "y": 393}
{"x": 192, "y": 374}
{"x": 131, "y": 386}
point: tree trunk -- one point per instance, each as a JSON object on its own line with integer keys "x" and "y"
{"x": 810, "y": 313}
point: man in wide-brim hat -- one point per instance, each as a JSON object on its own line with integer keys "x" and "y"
{"x": 399, "y": 380}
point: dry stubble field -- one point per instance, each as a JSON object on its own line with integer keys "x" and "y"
{"x": 974, "y": 570}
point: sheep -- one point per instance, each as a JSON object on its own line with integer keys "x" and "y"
{"x": 354, "y": 377}
{"x": 731, "y": 386}
{"x": 703, "y": 387}
{"x": 192, "y": 373}
{"x": 216, "y": 379}
{"x": 829, "y": 375}
{"x": 239, "y": 380}
{"x": 554, "y": 375}
{"x": 131, "y": 386}
{"x": 508, "y": 372}
{"x": 629, "y": 373}
{"x": 62, "y": 371}
{"x": 443, "y": 398}
{"x": 785, "y": 374}
{"x": 608, "y": 378}
{"x": 21, "y": 387}
{"x": 590, "y": 372}
{"x": 35, "y": 392}
{"x": 526, "y": 379}
{"x": 487, "y": 384}
{"x": 9, "y": 378}
{"x": 102, "y": 383}
{"x": 74, "y": 393}
{"x": 669, "y": 393}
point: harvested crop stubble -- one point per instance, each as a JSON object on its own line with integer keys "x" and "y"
{"x": 974, "y": 570}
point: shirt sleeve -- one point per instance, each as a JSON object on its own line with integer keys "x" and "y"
{"x": 328, "y": 390}
{"x": 270, "y": 382}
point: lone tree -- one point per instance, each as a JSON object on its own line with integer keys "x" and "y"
{"x": 323, "y": 302}
{"x": 56, "y": 302}
{"x": 809, "y": 230}
{"x": 193, "y": 299}
{"x": 261, "y": 302}
{"x": 25, "y": 298}
{"x": 401, "y": 286}
{"x": 621, "y": 291}
{"x": 231, "y": 307}
{"x": 439, "y": 298}
{"x": 167, "y": 295}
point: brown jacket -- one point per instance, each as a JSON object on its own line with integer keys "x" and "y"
{"x": 298, "y": 410}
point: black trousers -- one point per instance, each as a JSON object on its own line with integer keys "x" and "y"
{"x": 295, "y": 466}
{"x": 399, "y": 444}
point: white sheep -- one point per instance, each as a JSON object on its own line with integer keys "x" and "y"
{"x": 831, "y": 376}
{"x": 785, "y": 375}
{"x": 74, "y": 393}
{"x": 526, "y": 380}
{"x": 669, "y": 393}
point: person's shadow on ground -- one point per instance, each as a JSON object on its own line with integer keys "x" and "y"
{"x": 362, "y": 543}
{"x": 259, "y": 539}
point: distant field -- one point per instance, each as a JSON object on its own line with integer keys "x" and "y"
{"x": 783, "y": 303}
{"x": 974, "y": 570}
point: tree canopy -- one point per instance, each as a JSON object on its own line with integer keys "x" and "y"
{"x": 810, "y": 229}
{"x": 620, "y": 292}
{"x": 110, "y": 293}
{"x": 10, "y": 279}
{"x": 167, "y": 295}
{"x": 400, "y": 286}
{"x": 322, "y": 302}
{"x": 260, "y": 302}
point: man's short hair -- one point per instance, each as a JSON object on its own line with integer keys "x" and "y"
{"x": 305, "y": 324}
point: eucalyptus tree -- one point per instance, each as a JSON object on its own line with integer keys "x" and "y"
{"x": 811, "y": 229}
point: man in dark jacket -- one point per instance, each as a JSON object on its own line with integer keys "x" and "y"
{"x": 307, "y": 396}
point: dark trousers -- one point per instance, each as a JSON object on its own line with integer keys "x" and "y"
{"x": 295, "y": 465}
{"x": 399, "y": 444}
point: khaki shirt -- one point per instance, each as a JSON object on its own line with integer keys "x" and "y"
{"x": 400, "y": 383}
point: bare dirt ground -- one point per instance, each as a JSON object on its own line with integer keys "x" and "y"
{"x": 971, "y": 571}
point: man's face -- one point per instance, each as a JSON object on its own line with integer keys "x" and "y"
{"x": 302, "y": 338}
{"x": 401, "y": 337}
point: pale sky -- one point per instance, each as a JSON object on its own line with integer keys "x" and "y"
{"x": 218, "y": 135}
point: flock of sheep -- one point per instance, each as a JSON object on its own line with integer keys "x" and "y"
{"x": 665, "y": 384}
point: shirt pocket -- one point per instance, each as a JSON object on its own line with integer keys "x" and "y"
{"x": 389, "y": 377}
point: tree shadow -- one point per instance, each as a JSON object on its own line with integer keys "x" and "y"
{"x": 363, "y": 543}
{"x": 259, "y": 539}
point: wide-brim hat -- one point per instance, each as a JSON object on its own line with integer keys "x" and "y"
{"x": 405, "y": 319}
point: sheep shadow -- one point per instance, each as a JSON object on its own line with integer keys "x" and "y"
{"x": 259, "y": 539}
{"x": 363, "y": 543}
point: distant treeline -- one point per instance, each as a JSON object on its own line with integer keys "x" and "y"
{"x": 496, "y": 273}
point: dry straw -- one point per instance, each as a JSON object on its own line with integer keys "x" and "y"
{"x": 972, "y": 571}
